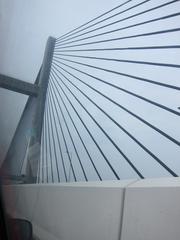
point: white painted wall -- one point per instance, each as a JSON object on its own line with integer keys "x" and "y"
{"x": 112, "y": 210}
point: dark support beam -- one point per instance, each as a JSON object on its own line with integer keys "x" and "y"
{"x": 43, "y": 84}
{"x": 15, "y": 157}
{"x": 35, "y": 142}
{"x": 23, "y": 155}
{"x": 18, "y": 86}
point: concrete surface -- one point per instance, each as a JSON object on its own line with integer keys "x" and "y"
{"x": 152, "y": 210}
{"x": 109, "y": 210}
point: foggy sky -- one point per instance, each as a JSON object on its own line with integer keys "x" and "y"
{"x": 26, "y": 42}
{"x": 25, "y": 27}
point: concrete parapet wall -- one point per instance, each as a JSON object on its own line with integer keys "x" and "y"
{"x": 109, "y": 210}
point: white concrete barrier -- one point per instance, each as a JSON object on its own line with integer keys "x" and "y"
{"x": 109, "y": 210}
{"x": 152, "y": 210}
{"x": 73, "y": 211}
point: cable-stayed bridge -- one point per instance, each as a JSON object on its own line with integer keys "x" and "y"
{"x": 105, "y": 104}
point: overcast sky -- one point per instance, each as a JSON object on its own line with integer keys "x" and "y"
{"x": 25, "y": 26}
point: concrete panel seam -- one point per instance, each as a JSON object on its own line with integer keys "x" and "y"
{"x": 123, "y": 204}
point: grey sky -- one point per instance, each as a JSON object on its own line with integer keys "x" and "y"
{"x": 22, "y": 49}
{"x": 24, "y": 27}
